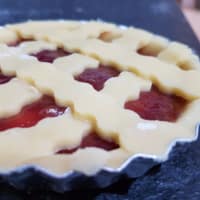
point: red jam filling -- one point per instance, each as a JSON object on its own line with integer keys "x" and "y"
{"x": 145, "y": 52}
{"x": 5, "y": 79}
{"x": 50, "y": 55}
{"x": 32, "y": 114}
{"x": 92, "y": 140}
{"x": 155, "y": 105}
{"x": 98, "y": 76}
{"x": 45, "y": 55}
{"x": 18, "y": 42}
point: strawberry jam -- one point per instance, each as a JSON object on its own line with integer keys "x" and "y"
{"x": 32, "y": 114}
{"x": 45, "y": 55}
{"x": 18, "y": 42}
{"x": 145, "y": 52}
{"x": 50, "y": 55}
{"x": 97, "y": 77}
{"x": 5, "y": 79}
{"x": 92, "y": 140}
{"x": 155, "y": 105}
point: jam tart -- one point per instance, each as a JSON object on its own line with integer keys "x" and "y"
{"x": 86, "y": 96}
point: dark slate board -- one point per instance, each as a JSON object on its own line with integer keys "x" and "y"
{"x": 179, "y": 177}
{"x": 162, "y": 17}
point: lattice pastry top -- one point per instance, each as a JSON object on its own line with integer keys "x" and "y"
{"x": 83, "y": 96}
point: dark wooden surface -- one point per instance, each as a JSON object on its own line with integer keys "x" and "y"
{"x": 179, "y": 177}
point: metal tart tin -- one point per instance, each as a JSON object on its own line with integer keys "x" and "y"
{"x": 35, "y": 178}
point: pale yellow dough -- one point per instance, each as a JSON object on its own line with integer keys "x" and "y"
{"x": 14, "y": 95}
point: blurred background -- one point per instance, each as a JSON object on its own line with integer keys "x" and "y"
{"x": 191, "y": 9}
